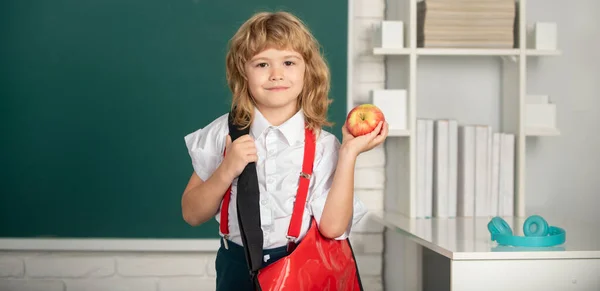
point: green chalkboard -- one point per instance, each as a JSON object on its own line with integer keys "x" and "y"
{"x": 97, "y": 95}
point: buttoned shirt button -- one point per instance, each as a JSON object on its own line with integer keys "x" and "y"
{"x": 264, "y": 202}
{"x": 271, "y": 135}
{"x": 271, "y": 151}
{"x": 270, "y": 180}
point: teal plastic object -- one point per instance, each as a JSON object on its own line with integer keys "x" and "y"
{"x": 536, "y": 230}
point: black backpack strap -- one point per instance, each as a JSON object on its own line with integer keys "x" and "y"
{"x": 248, "y": 209}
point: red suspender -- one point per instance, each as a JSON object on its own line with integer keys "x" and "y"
{"x": 301, "y": 195}
{"x": 307, "y": 169}
{"x": 224, "y": 221}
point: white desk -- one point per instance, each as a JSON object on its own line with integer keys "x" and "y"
{"x": 477, "y": 263}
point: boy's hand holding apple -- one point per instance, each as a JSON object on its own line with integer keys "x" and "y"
{"x": 365, "y": 128}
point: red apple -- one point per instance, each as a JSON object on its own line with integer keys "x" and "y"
{"x": 363, "y": 119}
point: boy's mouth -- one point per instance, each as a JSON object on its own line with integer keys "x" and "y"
{"x": 277, "y": 88}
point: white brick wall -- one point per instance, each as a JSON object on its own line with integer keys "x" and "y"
{"x": 135, "y": 271}
{"x": 369, "y": 74}
{"x": 101, "y": 271}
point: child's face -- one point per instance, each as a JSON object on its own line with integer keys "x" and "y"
{"x": 276, "y": 78}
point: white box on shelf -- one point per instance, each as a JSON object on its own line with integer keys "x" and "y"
{"x": 544, "y": 36}
{"x": 390, "y": 34}
{"x": 537, "y": 99}
{"x": 540, "y": 115}
{"x": 392, "y": 103}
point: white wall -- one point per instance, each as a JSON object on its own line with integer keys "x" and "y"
{"x": 562, "y": 175}
{"x": 164, "y": 271}
{"x": 561, "y": 171}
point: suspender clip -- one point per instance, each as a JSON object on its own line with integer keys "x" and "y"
{"x": 291, "y": 244}
{"x": 225, "y": 243}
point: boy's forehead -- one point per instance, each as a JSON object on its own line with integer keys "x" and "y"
{"x": 271, "y": 52}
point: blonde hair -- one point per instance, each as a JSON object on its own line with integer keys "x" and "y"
{"x": 280, "y": 30}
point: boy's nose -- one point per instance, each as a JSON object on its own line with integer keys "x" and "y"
{"x": 277, "y": 75}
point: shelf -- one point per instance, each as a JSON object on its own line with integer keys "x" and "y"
{"x": 528, "y": 132}
{"x": 399, "y": 132}
{"x": 447, "y": 52}
{"x": 391, "y": 51}
{"x": 464, "y": 52}
{"x": 542, "y": 131}
{"x": 534, "y": 52}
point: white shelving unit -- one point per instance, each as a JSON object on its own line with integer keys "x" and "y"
{"x": 514, "y": 83}
{"x": 399, "y": 132}
{"x": 463, "y": 52}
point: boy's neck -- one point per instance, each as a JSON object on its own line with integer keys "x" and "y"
{"x": 277, "y": 116}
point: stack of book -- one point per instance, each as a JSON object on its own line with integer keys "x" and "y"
{"x": 466, "y": 23}
{"x": 463, "y": 170}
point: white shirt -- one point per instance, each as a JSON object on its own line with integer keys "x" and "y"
{"x": 280, "y": 156}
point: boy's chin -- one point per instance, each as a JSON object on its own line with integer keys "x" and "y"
{"x": 280, "y": 105}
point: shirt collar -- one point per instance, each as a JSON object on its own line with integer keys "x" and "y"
{"x": 292, "y": 129}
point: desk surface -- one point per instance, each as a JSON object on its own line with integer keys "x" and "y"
{"x": 467, "y": 238}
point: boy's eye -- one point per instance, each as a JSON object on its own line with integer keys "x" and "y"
{"x": 288, "y": 63}
{"x": 261, "y": 65}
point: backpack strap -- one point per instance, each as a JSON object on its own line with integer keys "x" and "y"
{"x": 248, "y": 208}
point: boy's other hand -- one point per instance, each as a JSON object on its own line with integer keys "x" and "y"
{"x": 238, "y": 154}
{"x": 363, "y": 143}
